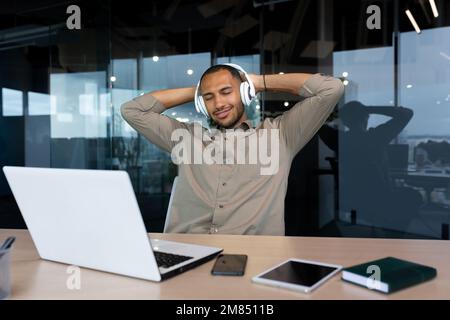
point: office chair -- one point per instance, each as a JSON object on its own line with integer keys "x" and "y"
{"x": 169, "y": 207}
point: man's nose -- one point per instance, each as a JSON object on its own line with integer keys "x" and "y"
{"x": 219, "y": 102}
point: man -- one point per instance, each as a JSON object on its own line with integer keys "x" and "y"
{"x": 235, "y": 198}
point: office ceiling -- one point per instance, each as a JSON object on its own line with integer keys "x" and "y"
{"x": 295, "y": 32}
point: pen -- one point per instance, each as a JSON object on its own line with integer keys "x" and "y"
{"x": 8, "y": 243}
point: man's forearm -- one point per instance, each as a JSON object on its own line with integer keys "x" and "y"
{"x": 170, "y": 97}
{"x": 389, "y": 111}
{"x": 289, "y": 82}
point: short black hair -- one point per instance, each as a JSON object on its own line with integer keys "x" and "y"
{"x": 234, "y": 72}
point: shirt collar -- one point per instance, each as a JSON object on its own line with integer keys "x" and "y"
{"x": 245, "y": 125}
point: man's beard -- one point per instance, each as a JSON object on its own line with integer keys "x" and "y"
{"x": 231, "y": 125}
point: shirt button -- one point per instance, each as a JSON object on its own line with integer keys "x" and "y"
{"x": 221, "y": 206}
{"x": 224, "y": 184}
{"x": 213, "y": 138}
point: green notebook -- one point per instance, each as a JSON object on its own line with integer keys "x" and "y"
{"x": 393, "y": 274}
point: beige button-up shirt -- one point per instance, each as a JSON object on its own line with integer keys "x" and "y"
{"x": 224, "y": 196}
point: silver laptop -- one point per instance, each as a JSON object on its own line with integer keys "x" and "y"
{"x": 90, "y": 218}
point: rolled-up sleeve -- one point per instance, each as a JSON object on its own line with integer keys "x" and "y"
{"x": 144, "y": 114}
{"x": 299, "y": 124}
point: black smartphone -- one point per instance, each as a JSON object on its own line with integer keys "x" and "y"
{"x": 230, "y": 265}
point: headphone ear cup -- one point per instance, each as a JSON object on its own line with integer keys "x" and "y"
{"x": 245, "y": 94}
{"x": 202, "y": 106}
{"x": 200, "y": 103}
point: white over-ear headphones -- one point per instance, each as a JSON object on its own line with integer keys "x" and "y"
{"x": 247, "y": 91}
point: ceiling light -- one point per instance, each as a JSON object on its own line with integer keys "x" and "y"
{"x": 413, "y": 21}
{"x": 434, "y": 9}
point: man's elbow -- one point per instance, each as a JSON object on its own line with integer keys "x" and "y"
{"x": 408, "y": 113}
{"x": 332, "y": 89}
{"x": 339, "y": 87}
{"x": 334, "y": 93}
{"x": 127, "y": 110}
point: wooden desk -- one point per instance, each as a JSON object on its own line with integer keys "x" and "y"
{"x": 33, "y": 278}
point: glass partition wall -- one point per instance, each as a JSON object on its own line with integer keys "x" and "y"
{"x": 379, "y": 167}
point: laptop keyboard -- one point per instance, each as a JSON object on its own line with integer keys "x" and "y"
{"x": 167, "y": 260}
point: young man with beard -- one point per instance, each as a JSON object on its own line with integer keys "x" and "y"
{"x": 225, "y": 197}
